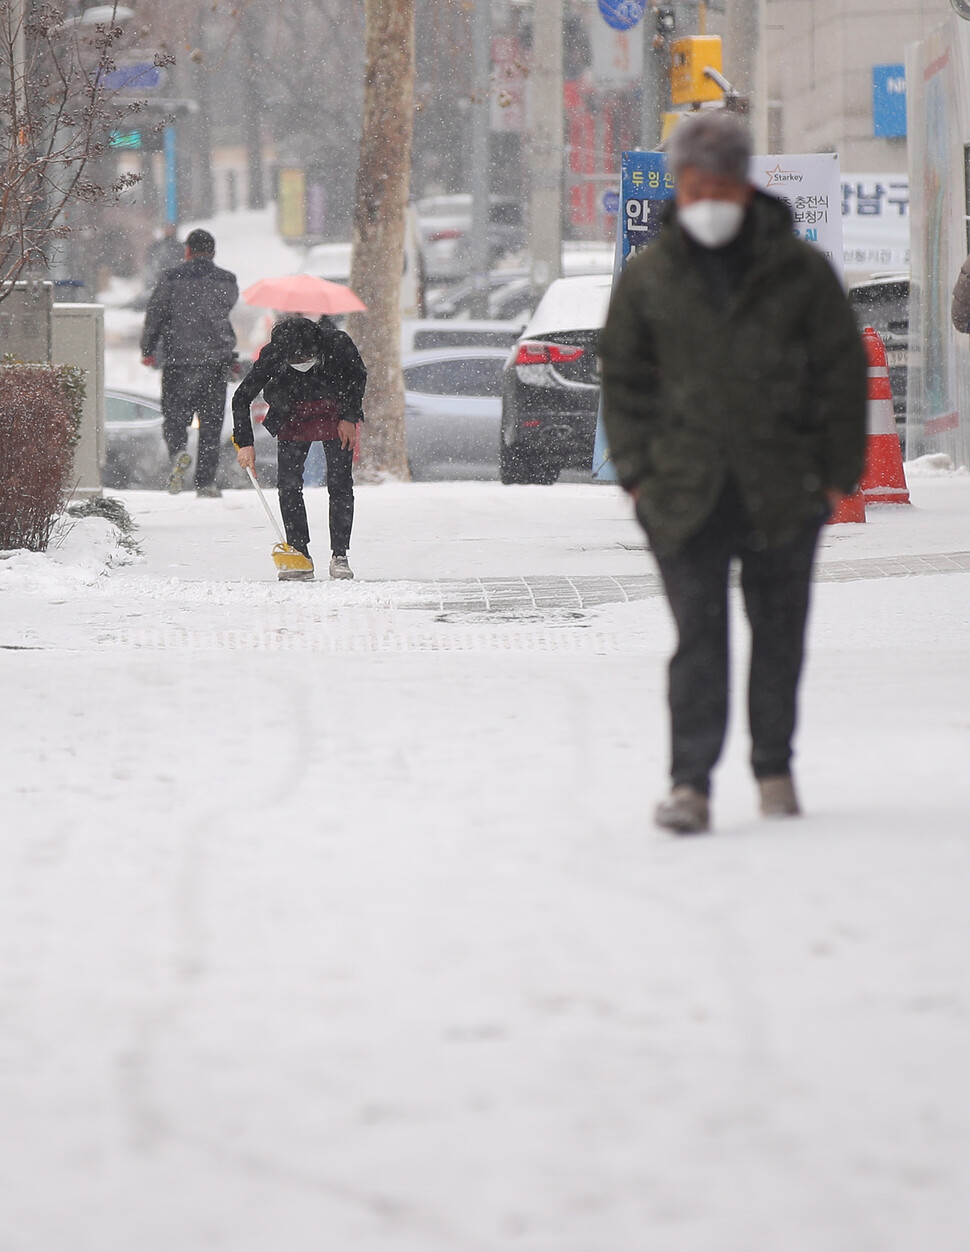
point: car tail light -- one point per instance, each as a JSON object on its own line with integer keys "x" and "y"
{"x": 439, "y": 235}
{"x": 533, "y": 353}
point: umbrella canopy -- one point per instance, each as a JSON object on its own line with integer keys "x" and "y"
{"x": 303, "y": 293}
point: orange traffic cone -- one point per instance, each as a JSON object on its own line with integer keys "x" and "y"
{"x": 883, "y": 481}
{"x": 851, "y": 509}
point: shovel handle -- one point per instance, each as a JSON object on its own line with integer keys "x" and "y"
{"x": 265, "y": 503}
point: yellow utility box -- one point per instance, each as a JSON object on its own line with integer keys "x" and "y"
{"x": 689, "y": 57}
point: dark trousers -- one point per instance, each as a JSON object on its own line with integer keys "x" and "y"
{"x": 775, "y": 583}
{"x": 187, "y": 390}
{"x": 290, "y": 459}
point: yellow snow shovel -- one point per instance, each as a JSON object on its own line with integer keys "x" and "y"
{"x": 284, "y": 557}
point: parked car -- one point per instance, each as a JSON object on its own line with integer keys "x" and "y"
{"x": 511, "y": 290}
{"x": 444, "y": 227}
{"x": 135, "y": 451}
{"x": 332, "y": 261}
{"x": 453, "y": 411}
{"x": 883, "y": 304}
{"x": 422, "y": 333}
{"x": 136, "y": 456}
{"x": 551, "y": 389}
{"x": 457, "y": 299}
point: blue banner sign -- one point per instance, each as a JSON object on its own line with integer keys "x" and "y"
{"x": 889, "y": 101}
{"x": 139, "y": 77}
{"x": 645, "y": 188}
{"x": 622, "y": 14}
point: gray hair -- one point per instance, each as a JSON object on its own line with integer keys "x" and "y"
{"x": 717, "y": 143}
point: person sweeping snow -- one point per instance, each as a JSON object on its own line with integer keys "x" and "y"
{"x": 313, "y": 380}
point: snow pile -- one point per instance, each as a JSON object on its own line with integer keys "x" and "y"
{"x": 933, "y": 465}
{"x": 330, "y": 924}
{"x": 82, "y": 550}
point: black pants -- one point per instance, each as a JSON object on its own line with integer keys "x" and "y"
{"x": 187, "y": 390}
{"x": 290, "y": 459}
{"x": 775, "y": 583}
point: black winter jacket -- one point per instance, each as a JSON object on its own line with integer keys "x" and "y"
{"x": 339, "y": 374}
{"x": 188, "y": 315}
{"x": 770, "y": 390}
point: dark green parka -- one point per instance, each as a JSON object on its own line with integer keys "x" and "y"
{"x": 772, "y": 390}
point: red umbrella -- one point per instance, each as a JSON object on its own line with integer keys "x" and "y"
{"x": 303, "y": 293}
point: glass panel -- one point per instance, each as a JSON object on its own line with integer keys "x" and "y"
{"x": 120, "y": 409}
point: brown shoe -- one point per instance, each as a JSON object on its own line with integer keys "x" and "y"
{"x": 685, "y": 810}
{"x": 778, "y": 797}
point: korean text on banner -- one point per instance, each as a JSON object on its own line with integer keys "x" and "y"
{"x": 645, "y": 186}
{"x": 875, "y": 223}
{"x": 811, "y": 187}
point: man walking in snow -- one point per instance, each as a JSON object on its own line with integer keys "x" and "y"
{"x": 187, "y": 325}
{"x": 734, "y": 393}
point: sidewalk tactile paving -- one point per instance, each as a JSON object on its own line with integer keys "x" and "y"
{"x": 549, "y": 591}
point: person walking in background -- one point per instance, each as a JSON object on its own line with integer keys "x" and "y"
{"x": 734, "y": 394}
{"x": 165, "y": 252}
{"x": 187, "y": 330}
{"x": 313, "y": 381}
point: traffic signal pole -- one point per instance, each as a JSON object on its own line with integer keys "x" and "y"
{"x": 662, "y": 23}
{"x": 480, "y": 172}
{"x": 547, "y": 150}
{"x": 745, "y": 62}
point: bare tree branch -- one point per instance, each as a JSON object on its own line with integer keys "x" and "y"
{"x": 57, "y": 113}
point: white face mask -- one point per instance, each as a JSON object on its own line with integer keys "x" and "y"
{"x": 712, "y": 223}
{"x": 302, "y": 366}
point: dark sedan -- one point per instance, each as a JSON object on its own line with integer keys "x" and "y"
{"x": 883, "y": 304}
{"x": 551, "y": 389}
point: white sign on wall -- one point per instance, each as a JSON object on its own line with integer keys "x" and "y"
{"x": 811, "y": 187}
{"x": 875, "y": 222}
{"x": 616, "y": 56}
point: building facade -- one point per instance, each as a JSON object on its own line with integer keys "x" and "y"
{"x": 833, "y": 70}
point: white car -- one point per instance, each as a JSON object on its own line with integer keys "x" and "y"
{"x": 332, "y": 261}
{"x": 444, "y": 225}
{"x": 453, "y": 411}
{"x": 135, "y": 451}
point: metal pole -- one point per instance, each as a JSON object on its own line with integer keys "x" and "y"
{"x": 688, "y": 17}
{"x": 171, "y": 176}
{"x": 547, "y": 141}
{"x": 744, "y": 62}
{"x": 656, "y": 80}
{"x": 481, "y": 182}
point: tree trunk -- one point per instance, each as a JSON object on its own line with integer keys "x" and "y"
{"x": 383, "y": 176}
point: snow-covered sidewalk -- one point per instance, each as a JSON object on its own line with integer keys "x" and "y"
{"x": 328, "y": 923}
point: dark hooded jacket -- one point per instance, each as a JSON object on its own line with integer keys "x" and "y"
{"x": 960, "y": 307}
{"x": 188, "y": 315}
{"x": 339, "y": 374}
{"x": 767, "y": 384}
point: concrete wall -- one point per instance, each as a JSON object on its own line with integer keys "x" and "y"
{"x": 820, "y": 59}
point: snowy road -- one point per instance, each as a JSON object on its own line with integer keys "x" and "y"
{"x": 330, "y": 923}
